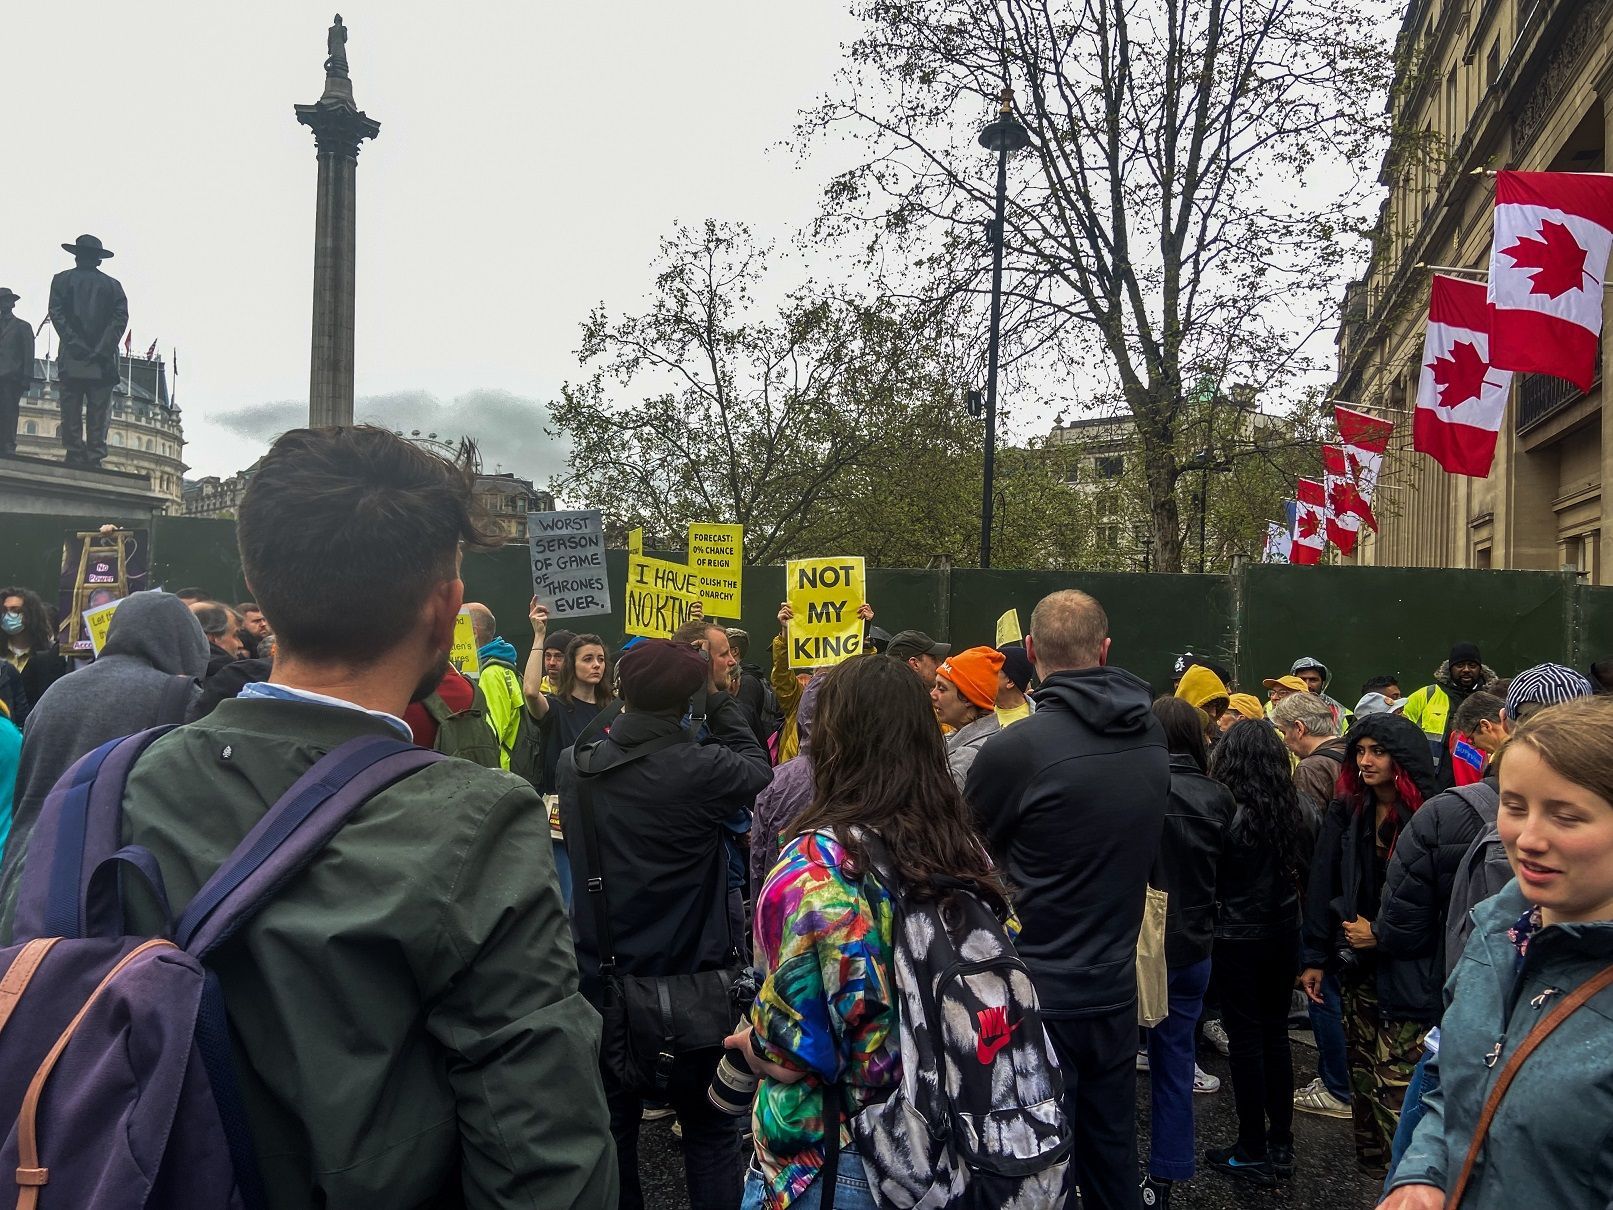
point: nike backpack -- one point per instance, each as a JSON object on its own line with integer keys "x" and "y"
{"x": 978, "y": 1118}
{"x": 117, "y": 1082}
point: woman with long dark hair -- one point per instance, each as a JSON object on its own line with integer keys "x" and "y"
{"x": 582, "y": 688}
{"x": 1389, "y": 1003}
{"x": 1263, "y": 866}
{"x": 1197, "y": 813}
{"x": 27, "y": 645}
{"x": 827, "y": 1010}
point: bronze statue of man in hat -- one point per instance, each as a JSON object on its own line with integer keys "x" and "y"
{"x": 89, "y": 312}
{"x": 16, "y": 367}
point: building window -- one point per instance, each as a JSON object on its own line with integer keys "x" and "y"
{"x": 117, "y": 438}
{"x": 1492, "y": 63}
{"x": 1111, "y": 466}
{"x": 1109, "y": 536}
{"x": 1450, "y": 108}
{"x": 30, "y": 428}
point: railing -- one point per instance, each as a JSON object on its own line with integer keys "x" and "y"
{"x": 1542, "y": 396}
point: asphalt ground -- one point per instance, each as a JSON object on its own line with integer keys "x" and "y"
{"x": 1325, "y": 1175}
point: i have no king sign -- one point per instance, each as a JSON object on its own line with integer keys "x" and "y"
{"x": 825, "y": 595}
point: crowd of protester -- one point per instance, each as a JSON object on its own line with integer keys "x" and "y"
{"x": 900, "y": 931}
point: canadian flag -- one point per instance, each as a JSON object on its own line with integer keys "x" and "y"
{"x": 1343, "y": 508}
{"x": 1310, "y": 523}
{"x": 1365, "y": 440}
{"x": 1461, "y": 397}
{"x": 1279, "y": 544}
{"x": 1553, "y": 233}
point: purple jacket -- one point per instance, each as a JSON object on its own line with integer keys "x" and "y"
{"x": 786, "y": 796}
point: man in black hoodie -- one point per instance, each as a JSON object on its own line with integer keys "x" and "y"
{"x": 1072, "y": 802}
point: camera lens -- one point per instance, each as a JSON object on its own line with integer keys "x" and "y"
{"x": 733, "y": 1085}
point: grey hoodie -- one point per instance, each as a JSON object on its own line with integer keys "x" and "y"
{"x": 153, "y": 639}
{"x": 1339, "y": 708}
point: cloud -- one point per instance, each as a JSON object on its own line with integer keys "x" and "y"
{"x": 509, "y": 428}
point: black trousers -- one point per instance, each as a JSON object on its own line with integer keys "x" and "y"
{"x": 1098, "y": 1059}
{"x": 1256, "y": 981}
{"x": 712, "y": 1164}
{"x": 10, "y": 408}
{"x": 85, "y": 443}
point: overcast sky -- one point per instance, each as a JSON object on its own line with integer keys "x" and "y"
{"x": 530, "y": 158}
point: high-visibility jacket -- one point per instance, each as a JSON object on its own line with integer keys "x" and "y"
{"x": 1430, "y": 708}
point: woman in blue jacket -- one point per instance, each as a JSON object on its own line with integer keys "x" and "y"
{"x": 1547, "y": 934}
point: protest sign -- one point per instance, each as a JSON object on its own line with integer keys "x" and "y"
{"x": 97, "y": 622}
{"x": 717, "y": 557}
{"x": 568, "y": 562}
{"x": 825, "y": 595}
{"x": 635, "y": 541}
{"x": 98, "y": 568}
{"x": 1008, "y": 630}
{"x": 661, "y": 596}
{"x": 463, "y": 656}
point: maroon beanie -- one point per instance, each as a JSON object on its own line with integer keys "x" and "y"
{"x": 658, "y": 675}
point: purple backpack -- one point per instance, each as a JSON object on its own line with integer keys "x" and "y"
{"x": 115, "y": 1066}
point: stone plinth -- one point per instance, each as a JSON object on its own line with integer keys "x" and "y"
{"x": 38, "y": 486}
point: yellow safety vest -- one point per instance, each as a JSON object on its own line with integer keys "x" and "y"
{"x": 1430, "y": 708}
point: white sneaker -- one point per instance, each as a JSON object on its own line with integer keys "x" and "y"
{"x": 1142, "y": 1059}
{"x": 1216, "y": 1035}
{"x": 1203, "y": 1081}
{"x": 1315, "y": 1098}
{"x": 658, "y": 1113}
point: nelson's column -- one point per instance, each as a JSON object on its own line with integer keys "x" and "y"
{"x": 339, "y": 126}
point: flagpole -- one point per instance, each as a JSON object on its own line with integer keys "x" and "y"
{"x": 1375, "y": 407}
{"x": 1484, "y": 273}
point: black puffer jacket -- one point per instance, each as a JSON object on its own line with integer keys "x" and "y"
{"x": 1411, "y": 920}
{"x": 1071, "y": 801}
{"x": 1196, "y": 817}
{"x": 1257, "y": 900}
{"x": 1343, "y": 885}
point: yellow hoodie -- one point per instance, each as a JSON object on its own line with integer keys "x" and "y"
{"x": 1200, "y": 687}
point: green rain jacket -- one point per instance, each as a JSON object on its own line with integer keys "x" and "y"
{"x": 407, "y": 1026}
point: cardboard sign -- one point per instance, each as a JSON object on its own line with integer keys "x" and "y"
{"x": 661, "y": 596}
{"x": 568, "y": 562}
{"x": 463, "y": 656}
{"x": 825, "y": 595}
{"x": 97, "y": 622}
{"x": 98, "y": 567}
{"x": 635, "y": 541}
{"x": 717, "y": 557}
{"x": 1008, "y": 630}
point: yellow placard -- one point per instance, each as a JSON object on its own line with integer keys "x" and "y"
{"x": 463, "y": 656}
{"x": 635, "y": 542}
{"x": 98, "y": 621}
{"x": 825, "y": 595}
{"x": 1008, "y": 630}
{"x": 717, "y": 557}
{"x": 661, "y": 596}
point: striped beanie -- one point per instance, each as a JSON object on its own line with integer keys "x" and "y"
{"x": 1545, "y": 685}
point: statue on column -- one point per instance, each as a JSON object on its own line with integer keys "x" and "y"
{"x": 89, "y": 312}
{"x": 16, "y": 367}
{"x": 336, "y": 48}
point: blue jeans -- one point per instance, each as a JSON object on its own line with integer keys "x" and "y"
{"x": 852, "y": 1191}
{"x": 1327, "y": 1023}
{"x": 1423, "y": 1082}
{"x": 1170, "y": 1074}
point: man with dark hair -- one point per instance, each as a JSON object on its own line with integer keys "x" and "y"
{"x": 407, "y": 1024}
{"x": 1072, "y": 802}
{"x": 1389, "y": 686}
{"x": 254, "y": 628}
{"x": 554, "y": 657}
{"x": 1434, "y": 705}
{"x": 658, "y": 804}
{"x": 223, "y": 645}
{"x": 192, "y": 595}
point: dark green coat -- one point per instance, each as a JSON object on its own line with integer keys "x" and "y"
{"x": 407, "y": 1023}
{"x": 1551, "y": 1143}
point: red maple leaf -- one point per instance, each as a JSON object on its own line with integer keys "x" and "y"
{"x": 1460, "y": 376}
{"x": 1339, "y": 497}
{"x": 1556, "y": 258}
{"x": 1310, "y": 524}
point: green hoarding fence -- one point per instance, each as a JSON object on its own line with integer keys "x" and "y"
{"x": 1360, "y": 621}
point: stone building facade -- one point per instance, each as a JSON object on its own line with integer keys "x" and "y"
{"x": 145, "y": 436}
{"x": 1484, "y": 84}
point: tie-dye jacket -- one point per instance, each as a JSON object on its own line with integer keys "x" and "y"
{"x": 827, "y": 1006}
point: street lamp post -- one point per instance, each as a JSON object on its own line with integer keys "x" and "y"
{"x": 1002, "y": 136}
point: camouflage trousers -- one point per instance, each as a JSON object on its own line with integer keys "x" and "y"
{"x": 1381, "y": 1056}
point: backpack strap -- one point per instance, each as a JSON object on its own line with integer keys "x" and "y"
{"x": 85, "y": 810}
{"x": 1565, "y": 1009}
{"x": 291, "y": 833}
{"x": 1482, "y": 798}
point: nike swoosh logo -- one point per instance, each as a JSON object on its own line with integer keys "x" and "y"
{"x": 987, "y": 1048}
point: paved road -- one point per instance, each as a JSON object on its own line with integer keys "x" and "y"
{"x": 1325, "y": 1175}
